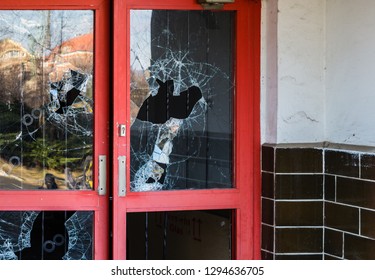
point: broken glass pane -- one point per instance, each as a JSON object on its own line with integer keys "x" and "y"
{"x": 15, "y": 230}
{"x": 79, "y": 228}
{"x": 46, "y": 99}
{"x": 181, "y": 99}
{"x": 46, "y": 235}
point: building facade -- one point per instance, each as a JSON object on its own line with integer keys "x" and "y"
{"x": 155, "y": 129}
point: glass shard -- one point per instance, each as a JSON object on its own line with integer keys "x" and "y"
{"x": 79, "y": 227}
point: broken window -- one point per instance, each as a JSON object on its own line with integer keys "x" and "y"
{"x": 46, "y": 235}
{"x": 46, "y": 99}
{"x": 181, "y": 100}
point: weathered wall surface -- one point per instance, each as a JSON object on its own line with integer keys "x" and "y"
{"x": 350, "y": 80}
{"x": 293, "y": 108}
{"x": 318, "y": 71}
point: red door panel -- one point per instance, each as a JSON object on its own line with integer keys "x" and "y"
{"x": 186, "y": 133}
{"x": 55, "y": 98}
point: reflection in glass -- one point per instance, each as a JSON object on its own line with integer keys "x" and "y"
{"x": 46, "y": 235}
{"x": 181, "y": 99}
{"x": 46, "y": 99}
{"x": 180, "y": 235}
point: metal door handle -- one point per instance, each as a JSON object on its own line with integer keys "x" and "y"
{"x": 102, "y": 187}
{"x": 121, "y": 176}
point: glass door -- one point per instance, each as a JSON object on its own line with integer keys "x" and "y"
{"x": 186, "y": 177}
{"x": 54, "y": 129}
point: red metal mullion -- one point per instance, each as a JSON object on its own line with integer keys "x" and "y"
{"x": 48, "y": 4}
{"x": 101, "y": 124}
{"x": 48, "y": 200}
{"x": 247, "y": 136}
{"x": 184, "y": 200}
{"x": 121, "y": 111}
{"x": 255, "y": 56}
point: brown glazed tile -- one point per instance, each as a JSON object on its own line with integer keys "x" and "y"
{"x": 358, "y": 248}
{"x": 333, "y": 241}
{"x": 299, "y": 213}
{"x": 267, "y": 238}
{"x": 341, "y": 217}
{"x": 368, "y": 166}
{"x": 299, "y": 160}
{"x": 342, "y": 163}
{"x": 355, "y": 192}
{"x": 267, "y": 211}
{"x": 266, "y": 255}
{"x": 268, "y": 158}
{"x": 299, "y": 257}
{"x": 299, "y": 187}
{"x": 299, "y": 240}
{"x": 267, "y": 185}
{"x": 329, "y": 187}
{"x": 368, "y": 223}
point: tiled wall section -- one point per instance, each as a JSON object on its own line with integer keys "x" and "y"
{"x": 349, "y": 204}
{"x": 318, "y": 202}
{"x": 292, "y": 203}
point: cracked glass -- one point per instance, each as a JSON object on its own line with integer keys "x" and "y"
{"x": 46, "y": 99}
{"x": 46, "y": 235}
{"x": 182, "y": 88}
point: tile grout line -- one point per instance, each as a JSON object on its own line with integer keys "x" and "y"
{"x": 301, "y": 227}
{"x": 343, "y": 245}
{"x": 350, "y": 205}
{"x": 350, "y": 233}
{"x": 324, "y": 204}
{"x": 274, "y": 204}
{"x": 299, "y": 200}
{"x": 337, "y": 257}
{"x": 335, "y": 188}
{"x": 351, "y": 178}
{"x": 359, "y": 221}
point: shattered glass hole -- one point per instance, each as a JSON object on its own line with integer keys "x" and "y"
{"x": 177, "y": 140}
{"x": 53, "y": 235}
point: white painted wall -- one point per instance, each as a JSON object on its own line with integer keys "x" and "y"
{"x": 293, "y": 85}
{"x": 350, "y": 80}
{"x": 318, "y": 69}
{"x": 269, "y": 73}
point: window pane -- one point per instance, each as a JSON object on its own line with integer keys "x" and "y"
{"x": 46, "y": 99}
{"x": 46, "y": 235}
{"x": 181, "y": 100}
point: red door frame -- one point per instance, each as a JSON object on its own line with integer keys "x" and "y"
{"x": 39, "y": 200}
{"x": 245, "y": 197}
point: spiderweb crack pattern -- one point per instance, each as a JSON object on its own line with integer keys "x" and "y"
{"x": 15, "y": 230}
{"x": 69, "y": 108}
{"x": 185, "y": 73}
{"x": 79, "y": 228}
